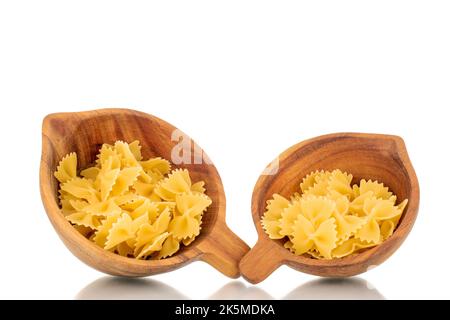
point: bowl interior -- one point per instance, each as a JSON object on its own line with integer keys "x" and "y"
{"x": 85, "y": 133}
{"x": 371, "y": 157}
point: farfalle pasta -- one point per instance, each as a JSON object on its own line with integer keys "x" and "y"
{"x": 135, "y": 208}
{"x": 330, "y": 218}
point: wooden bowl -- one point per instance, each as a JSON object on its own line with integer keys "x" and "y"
{"x": 366, "y": 156}
{"x": 84, "y": 133}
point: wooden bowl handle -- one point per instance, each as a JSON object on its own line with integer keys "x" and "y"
{"x": 223, "y": 250}
{"x": 260, "y": 262}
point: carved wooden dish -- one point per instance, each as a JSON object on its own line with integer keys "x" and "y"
{"x": 366, "y": 156}
{"x": 84, "y": 133}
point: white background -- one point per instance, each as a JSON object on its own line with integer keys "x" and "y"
{"x": 246, "y": 80}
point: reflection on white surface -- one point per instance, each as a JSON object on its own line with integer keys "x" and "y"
{"x": 110, "y": 288}
{"x": 336, "y": 289}
{"x": 237, "y": 290}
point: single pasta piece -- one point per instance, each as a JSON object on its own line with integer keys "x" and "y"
{"x": 331, "y": 219}
{"x": 132, "y": 207}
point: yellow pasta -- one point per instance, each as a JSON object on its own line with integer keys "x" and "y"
{"x": 67, "y": 168}
{"x": 101, "y": 209}
{"x": 306, "y": 235}
{"x": 78, "y": 188}
{"x": 376, "y": 210}
{"x": 84, "y": 219}
{"x": 101, "y": 236}
{"x": 273, "y": 214}
{"x": 184, "y": 227}
{"x": 169, "y": 248}
{"x": 350, "y": 247}
{"x": 331, "y": 218}
{"x": 135, "y": 149}
{"x": 178, "y": 182}
{"x": 287, "y": 220}
{"x": 133, "y": 207}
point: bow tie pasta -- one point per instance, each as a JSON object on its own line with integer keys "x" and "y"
{"x": 330, "y": 218}
{"x": 134, "y": 208}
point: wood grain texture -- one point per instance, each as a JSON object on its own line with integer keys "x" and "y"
{"x": 84, "y": 133}
{"x": 366, "y": 156}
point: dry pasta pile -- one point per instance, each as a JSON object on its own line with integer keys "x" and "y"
{"x": 135, "y": 208}
{"x": 330, "y": 219}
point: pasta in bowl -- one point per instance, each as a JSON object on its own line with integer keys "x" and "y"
{"x": 102, "y": 170}
{"x": 315, "y": 231}
{"x": 330, "y": 218}
{"x": 133, "y": 207}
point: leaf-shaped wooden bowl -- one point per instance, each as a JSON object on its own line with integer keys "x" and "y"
{"x": 366, "y": 156}
{"x": 84, "y": 133}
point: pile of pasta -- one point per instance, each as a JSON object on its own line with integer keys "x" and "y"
{"x": 135, "y": 208}
{"x": 330, "y": 218}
